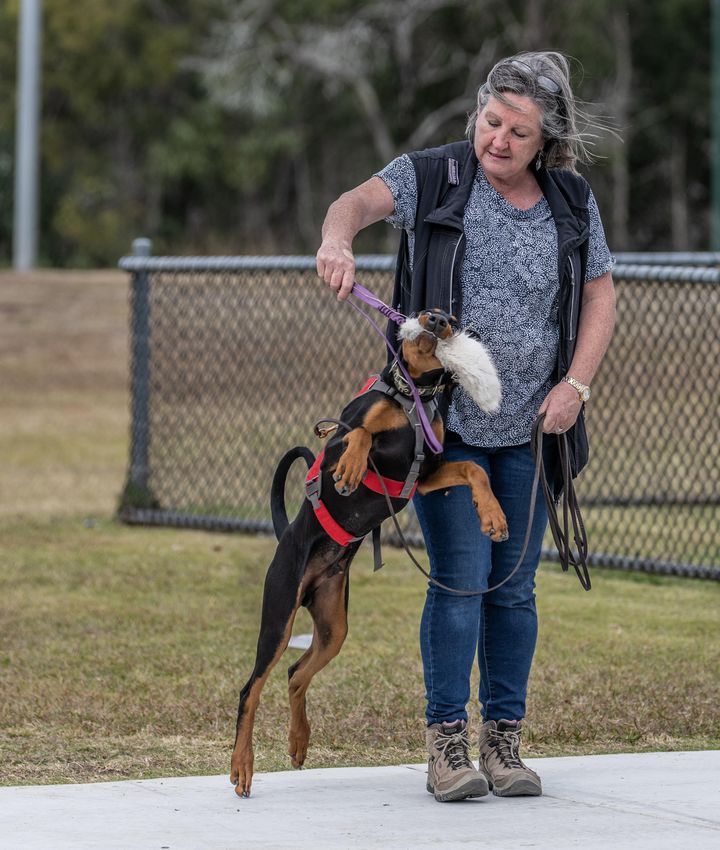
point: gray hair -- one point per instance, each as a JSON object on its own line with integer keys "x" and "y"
{"x": 544, "y": 77}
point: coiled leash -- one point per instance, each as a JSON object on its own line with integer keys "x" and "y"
{"x": 570, "y": 505}
{"x": 570, "y": 509}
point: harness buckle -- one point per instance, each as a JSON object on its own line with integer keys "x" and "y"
{"x": 312, "y": 490}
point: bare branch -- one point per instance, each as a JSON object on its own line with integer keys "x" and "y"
{"x": 432, "y": 123}
{"x": 265, "y": 51}
{"x": 378, "y": 126}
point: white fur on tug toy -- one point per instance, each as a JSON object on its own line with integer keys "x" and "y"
{"x": 468, "y": 360}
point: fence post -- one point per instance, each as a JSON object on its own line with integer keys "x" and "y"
{"x": 137, "y": 491}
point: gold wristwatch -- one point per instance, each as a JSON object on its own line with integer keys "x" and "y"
{"x": 582, "y": 390}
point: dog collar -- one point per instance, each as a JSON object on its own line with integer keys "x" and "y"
{"x": 404, "y": 388}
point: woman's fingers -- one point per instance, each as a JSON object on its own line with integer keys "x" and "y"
{"x": 561, "y": 408}
{"x": 336, "y": 267}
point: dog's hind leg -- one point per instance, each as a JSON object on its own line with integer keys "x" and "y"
{"x": 329, "y": 612}
{"x": 281, "y": 599}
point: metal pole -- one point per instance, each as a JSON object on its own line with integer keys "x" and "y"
{"x": 715, "y": 110}
{"x": 140, "y": 442}
{"x": 26, "y": 136}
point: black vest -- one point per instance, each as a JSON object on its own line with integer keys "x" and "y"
{"x": 444, "y": 179}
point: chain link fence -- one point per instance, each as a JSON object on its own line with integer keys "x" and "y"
{"x": 235, "y": 358}
{"x": 670, "y": 258}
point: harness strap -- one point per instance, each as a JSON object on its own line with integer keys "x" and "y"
{"x": 368, "y": 385}
{"x": 380, "y": 484}
{"x": 409, "y": 406}
{"x": 313, "y": 484}
{"x": 411, "y": 480}
{"x": 396, "y": 489}
{"x": 377, "y": 550}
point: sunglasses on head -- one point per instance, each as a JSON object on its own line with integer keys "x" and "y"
{"x": 544, "y": 82}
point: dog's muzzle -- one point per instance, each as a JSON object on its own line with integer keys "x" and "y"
{"x": 436, "y": 323}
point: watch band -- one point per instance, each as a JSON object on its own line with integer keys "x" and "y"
{"x": 582, "y": 389}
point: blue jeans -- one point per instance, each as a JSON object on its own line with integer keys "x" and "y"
{"x": 500, "y": 625}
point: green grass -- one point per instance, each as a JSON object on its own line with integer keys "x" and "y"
{"x": 122, "y": 649}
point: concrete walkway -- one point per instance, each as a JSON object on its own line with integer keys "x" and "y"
{"x": 653, "y": 801}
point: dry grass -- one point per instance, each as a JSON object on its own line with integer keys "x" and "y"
{"x": 123, "y": 649}
{"x": 63, "y": 362}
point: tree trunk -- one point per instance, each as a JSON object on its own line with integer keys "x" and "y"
{"x": 679, "y": 216}
{"x": 534, "y": 32}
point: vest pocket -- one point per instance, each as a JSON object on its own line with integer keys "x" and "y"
{"x": 442, "y": 251}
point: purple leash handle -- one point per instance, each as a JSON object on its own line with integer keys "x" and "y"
{"x": 363, "y": 294}
{"x": 372, "y": 300}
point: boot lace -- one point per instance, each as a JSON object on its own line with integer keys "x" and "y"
{"x": 506, "y": 746}
{"x": 454, "y": 746}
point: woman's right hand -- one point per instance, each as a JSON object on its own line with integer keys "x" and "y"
{"x": 336, "y": 266}
{"x": 347, "y": 216}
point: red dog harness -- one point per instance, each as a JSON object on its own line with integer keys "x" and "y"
{"x": 396, "y": 489}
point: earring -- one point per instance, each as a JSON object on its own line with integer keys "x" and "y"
{"x": 538, "y": 161}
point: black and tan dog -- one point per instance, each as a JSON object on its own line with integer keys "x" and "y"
{"x": 314, "y": 552}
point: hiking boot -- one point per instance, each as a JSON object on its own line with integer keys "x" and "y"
{"x": 451, "y": 775}
{"x": 500, "y": 760}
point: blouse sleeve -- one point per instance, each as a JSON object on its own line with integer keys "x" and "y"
{"x": 600, "y": 260}
{"x": 399, "y": 177}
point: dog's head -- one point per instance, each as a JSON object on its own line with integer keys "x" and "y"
{"x": 420, "y": 337}
{"x": 433, "y": 341}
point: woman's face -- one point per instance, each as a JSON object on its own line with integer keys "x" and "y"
{"x": 507, "y": 138}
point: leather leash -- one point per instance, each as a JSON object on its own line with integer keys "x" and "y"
{"x": 570, "y": 509}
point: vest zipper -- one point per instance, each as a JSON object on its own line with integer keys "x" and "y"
{"x": 571, "y": 329}
{"x": 451, "y": 312}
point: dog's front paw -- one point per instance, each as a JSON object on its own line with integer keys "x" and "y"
{"x": 493, "y": 521}
{"x": 340, "y": 486}
{"x": 498, "y": 535}
{"x": 349, "y": 472}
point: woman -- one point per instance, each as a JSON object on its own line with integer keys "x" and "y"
{"x": 503, "y": 231}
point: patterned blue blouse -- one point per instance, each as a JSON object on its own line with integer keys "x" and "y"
{"x": 510, "y": 287}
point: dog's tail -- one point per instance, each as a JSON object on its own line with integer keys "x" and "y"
{"x": 277, "y": 489}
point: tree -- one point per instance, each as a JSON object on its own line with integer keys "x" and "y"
{"x": 228, "y": 126}
{"x": 353, "y": 84}
{"x": 125, "y": 125}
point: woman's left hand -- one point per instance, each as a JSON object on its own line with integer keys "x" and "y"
{"x": 561, "y": 408}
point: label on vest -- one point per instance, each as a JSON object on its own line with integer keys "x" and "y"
{"x": 453, "y": 177}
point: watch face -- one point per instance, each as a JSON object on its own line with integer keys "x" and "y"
{"x": 585, "y": 394}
